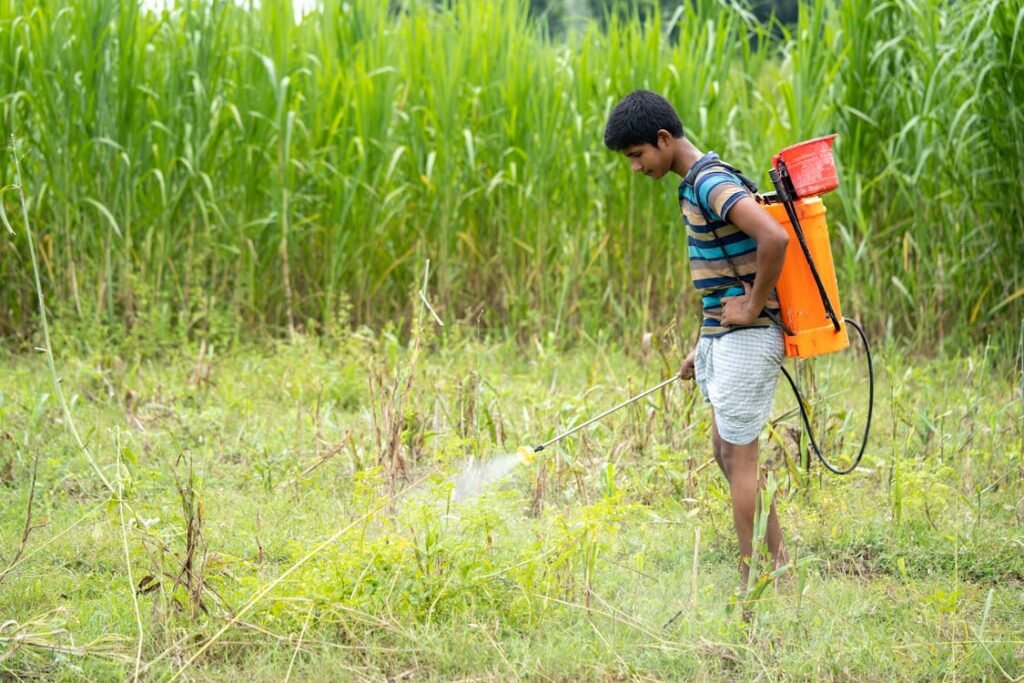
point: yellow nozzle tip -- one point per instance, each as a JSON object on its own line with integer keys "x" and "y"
{"x": 526, "y": 453}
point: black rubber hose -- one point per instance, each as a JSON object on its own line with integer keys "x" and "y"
{"x": 871, "y": 405}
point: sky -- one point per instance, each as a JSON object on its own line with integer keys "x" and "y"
{"x": 302, "y": 7}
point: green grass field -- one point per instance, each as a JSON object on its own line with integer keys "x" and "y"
{"x": 236, "y": 458}
{"x": 252, "y": 532}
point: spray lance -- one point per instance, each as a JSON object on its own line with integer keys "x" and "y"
{"x": 527, "y": 454}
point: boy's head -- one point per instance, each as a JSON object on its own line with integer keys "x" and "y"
{"x": 643, "y": 126}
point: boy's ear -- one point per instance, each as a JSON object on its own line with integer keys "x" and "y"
{"x": 664, "y": 138}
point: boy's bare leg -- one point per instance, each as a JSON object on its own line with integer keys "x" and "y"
{"x": 716, "y": 445}
{"x": 739, "y": 464}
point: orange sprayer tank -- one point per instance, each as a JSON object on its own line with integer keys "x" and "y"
{"x": 802, "y": 309}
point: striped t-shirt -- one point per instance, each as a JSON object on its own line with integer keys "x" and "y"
{"x": 706, "y": 194}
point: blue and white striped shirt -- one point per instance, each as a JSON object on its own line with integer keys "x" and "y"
{"x": 706, "y": 194}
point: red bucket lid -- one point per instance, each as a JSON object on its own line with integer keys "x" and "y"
{"x": 811, "y": 165}
{"x": 808, "y": 143}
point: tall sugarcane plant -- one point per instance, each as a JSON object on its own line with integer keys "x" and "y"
{"x": 223, "y": 161}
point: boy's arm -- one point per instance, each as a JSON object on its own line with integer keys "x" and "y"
{"x": 747, "y": 215}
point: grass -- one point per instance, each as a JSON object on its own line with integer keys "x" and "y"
{"x": 242, "y": 462}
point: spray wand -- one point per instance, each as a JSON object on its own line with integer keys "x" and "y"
{"x": 528, "y": 454}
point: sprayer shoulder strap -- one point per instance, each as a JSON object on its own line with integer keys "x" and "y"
{"x": 704, "y": 162}
{"x": 750, "y": 186}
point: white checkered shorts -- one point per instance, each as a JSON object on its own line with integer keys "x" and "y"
{"x": 736, "y": 372}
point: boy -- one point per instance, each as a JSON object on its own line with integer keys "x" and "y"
{"x": 736, "y": 253}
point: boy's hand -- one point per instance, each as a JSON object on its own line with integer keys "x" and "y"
{"x": 687, "y": 372}
{"x": 736, "y": 310}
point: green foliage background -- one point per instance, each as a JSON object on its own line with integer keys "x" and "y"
{"x": 215, "y": 169}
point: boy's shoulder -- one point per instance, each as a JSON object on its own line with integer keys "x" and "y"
{"x": 712, "y": 186}
{"x": 712, "y": 167}
{"x": 710, "y": 171}
{"x": 700, "y": 168}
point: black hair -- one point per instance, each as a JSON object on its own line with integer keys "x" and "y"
{"x": 637, "y": 118}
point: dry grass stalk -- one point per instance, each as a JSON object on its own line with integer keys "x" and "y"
{"x": 128, "y": 565}
{"x": 193, "y": 564}
{"x": 27, "y": 529}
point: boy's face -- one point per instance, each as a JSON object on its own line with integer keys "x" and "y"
{"x": 653, "y": 161}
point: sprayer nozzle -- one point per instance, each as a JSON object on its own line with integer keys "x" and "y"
{"x": 526, "y": 453}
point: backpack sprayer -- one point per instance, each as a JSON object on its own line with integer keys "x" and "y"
{"x": 807, "y": 288}
{"x": 812, "y": 321}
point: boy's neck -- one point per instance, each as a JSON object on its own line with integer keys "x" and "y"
{"x": 684, "y": 156}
